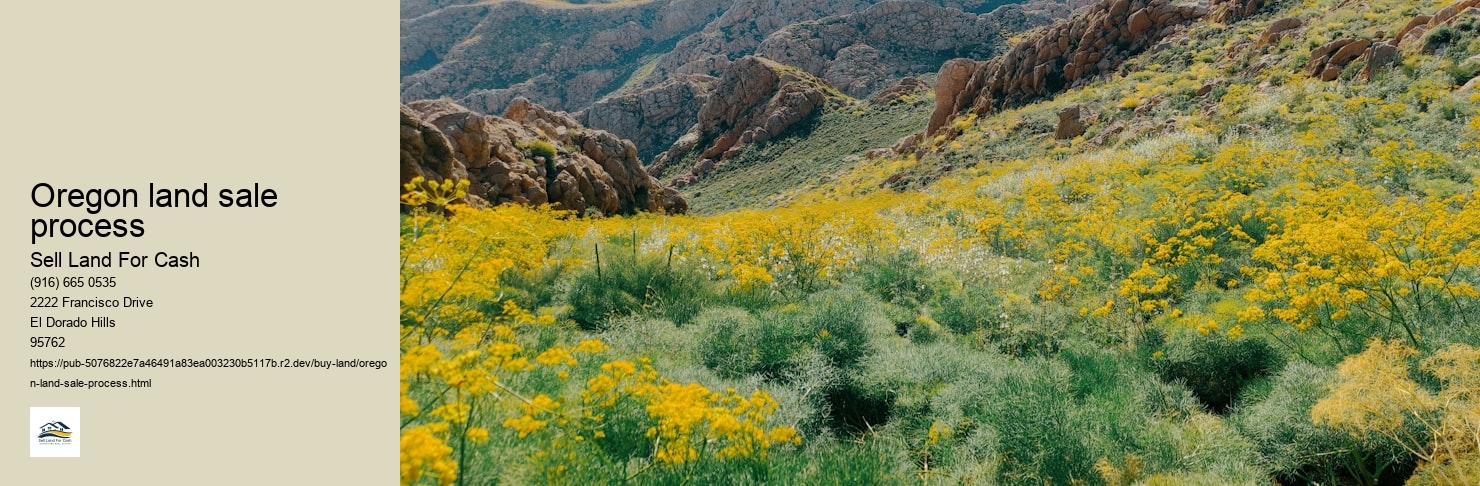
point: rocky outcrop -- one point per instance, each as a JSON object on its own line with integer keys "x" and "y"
{"x": 861, "y": 53}
{"x": 530, "y": 155}
{"x": 949, "y": 85}
{"x": 484, "y": 55}
{"x": 1066, "y": 54}
{"x": 567, "y": 56}
{"x": 417, "y": 8}
{"x": 651, "y": 118}
{"x": 1379, "y": 56}
{"x": 1071, "y": 122}
{"x": 1412, "y": 34}
{"x": 1329, "y": 60}
{"x": 756, "y": 100}
{"x": 1277, "y": 30}
{"x": 909, "y": 86}
{"x": 746, "y": 23}
{"x": 1228, "y": 11}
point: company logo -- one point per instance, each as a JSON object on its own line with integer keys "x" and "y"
{"x": 56, "y": 432}
{"x": 55, "y": 429}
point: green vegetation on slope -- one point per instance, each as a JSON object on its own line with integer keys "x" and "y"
{"x": 1279, "y": 284}
{"x": 833, "y": 143}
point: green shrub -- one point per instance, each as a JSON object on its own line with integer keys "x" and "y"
{"x": 1215, "y": 367}
{"x": 834, "y": 462}
{"x": 1032, "y": 410}
{"x": 966, "y": 310}
{"x": 734, "y": 343}
{"x": 842, "y": 323}
{"x": 1027, "y": 339}
{"x": 625, "y": 284}
{"x": 1020, "y": 413}
{"x": 535, "y": 288}
{"x": 1295, "y": 450}
{"x": 898, "y": 278}
{"x": 541, "y": 148}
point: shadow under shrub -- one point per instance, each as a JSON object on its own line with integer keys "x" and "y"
{"x": 1215, "y": 367}
{"x": 829, "y": 334}
{"x": 1297, "y": 451}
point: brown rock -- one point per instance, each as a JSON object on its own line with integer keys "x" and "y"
{"x": 949, "y": 84}
{"x": 1227, "y": 11}
{"x": 1349, "y": 52}
{"x": 1444, "y": 15}
{"x": 1208, "y": 87}
{"x": 1044, "y": 63}
{"x": 1139, "y": 21}
{"x": 1276, "y": 30}
{"x": 1320, "y": 55}
{"x": 460, "y": 51}
{"x": 1420, "y": 20}
{"x": 1413, "y": 38}
{"x": 1379, "y": 56}
{"x": 910, "y": 85}
{"x": 592, "y": 170}
{"x": 907, "y": 144}
{"x": 1071, "y": 122}
{"x": 756, "y": 100}
{"x": 652, "y": 118}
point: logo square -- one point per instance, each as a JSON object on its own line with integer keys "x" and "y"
{"x": 56, "y": 432}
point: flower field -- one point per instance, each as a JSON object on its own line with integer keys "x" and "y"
{"x": 1285, "y": 287}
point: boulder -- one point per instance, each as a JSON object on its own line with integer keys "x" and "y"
{"x": 652, "y": 118}
{"x": 589, "y": 170}
{"x": 1276, "y": 30}
{"x": 1327, "y": 61}
{"x": 1379, "y": 56}
{"x": 908, "y": 86}
{"x": 1071, "y": 122}
{"x": 756, "y": 100}
{"x": 1068, "y": 53}
{"x": 949, "y": 84}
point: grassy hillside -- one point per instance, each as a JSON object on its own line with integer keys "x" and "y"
{"x": 1272, "y": 281}
{"x": 832, "y": 144}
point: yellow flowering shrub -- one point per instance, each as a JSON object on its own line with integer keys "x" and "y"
{"x": 476, "y": 365}
{"x": 1348, "y": 254}
{"x": 1375, "y": 394}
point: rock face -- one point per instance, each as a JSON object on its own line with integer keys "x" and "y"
{"x": 1412, "y": 34}
{"x": 863, "y": 52}
{"x": 1226, "y": 11}
{"x": 949, "y": 85}
{"x": 1328, "y": 61}
{"x": 589, "y": 170}
{"x": 1065, "y": 54}
{"x": 1277, "y": 30}
{"x": 1071, "y": 122}
{"x": 654, "y": 117}
{"x": 641, "y": 69}
{"x": 756, "y": 100}
{"x": 743, "y": 27}
{"x": 908, "y": 86}
{"x": 1380, "y": 55}
{"x": 484, "y": 55}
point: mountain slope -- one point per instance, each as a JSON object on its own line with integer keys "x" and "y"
{"x": 1244, "y": 251}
